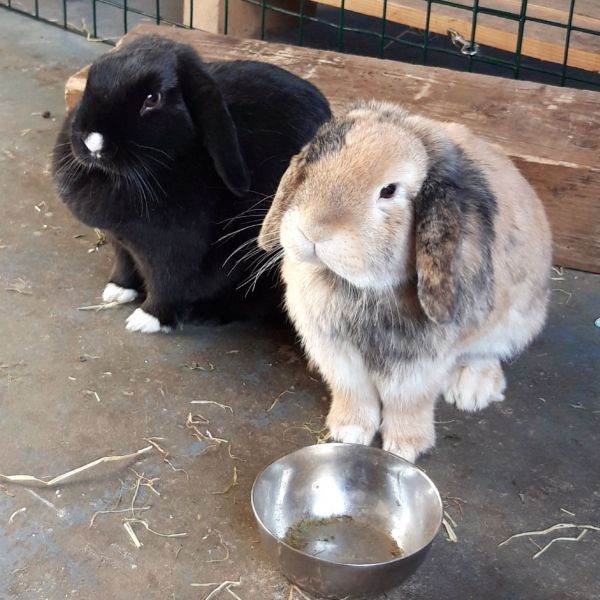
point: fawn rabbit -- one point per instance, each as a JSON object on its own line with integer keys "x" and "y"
{"x": 415, "y": 259}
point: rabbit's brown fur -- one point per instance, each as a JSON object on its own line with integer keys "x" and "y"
{"x": 400, "y": 300}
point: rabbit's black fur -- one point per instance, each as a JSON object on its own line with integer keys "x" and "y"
{"x": 170, "y": 178}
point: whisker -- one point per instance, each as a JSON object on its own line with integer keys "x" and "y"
{"x": 249, "y": 253}
{"x": 271, "y": 260}
{"x": 250, "y": 241}
{"x": 228, "y": 235}
{"x": 152, "y": 148}
{"x": 256, "y": 213}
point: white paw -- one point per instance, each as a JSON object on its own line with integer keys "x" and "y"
{"x": 477, "y": 385}
{"x": 405, "y": 451}
{"x": 115, "y": 293}
{"x": 351, "y": 434}
{"x": 140, "y": 320}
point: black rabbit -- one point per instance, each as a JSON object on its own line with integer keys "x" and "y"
{"x": 177, "y": 160}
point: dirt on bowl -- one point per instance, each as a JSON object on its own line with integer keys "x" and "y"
{"x": 343, "y": 539}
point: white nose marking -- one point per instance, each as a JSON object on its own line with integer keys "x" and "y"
{"x": 94, "y": 142}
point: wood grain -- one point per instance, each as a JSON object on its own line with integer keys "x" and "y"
{"x": 551, "y": 133}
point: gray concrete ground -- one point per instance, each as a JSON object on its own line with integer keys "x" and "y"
{"x": 75, "y": 386}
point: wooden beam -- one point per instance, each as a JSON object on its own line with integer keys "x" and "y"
{"x": 551, "y": 133}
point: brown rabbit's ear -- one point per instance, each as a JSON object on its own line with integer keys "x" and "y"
{"x": 454, "y": 210}
{"x": 268, "y": 238}
{"x": 437, "y": 238}
{"x": 212, "y": 120}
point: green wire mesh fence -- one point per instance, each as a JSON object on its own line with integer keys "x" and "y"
{"x": 552, "y": 41}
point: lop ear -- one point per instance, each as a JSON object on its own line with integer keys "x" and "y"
{"x": 268, "y": 239}
{"x": 212, "y": 120}
{"x": 437, "y": 238}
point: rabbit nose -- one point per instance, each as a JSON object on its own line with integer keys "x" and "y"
{"x": 94, "y": 142}
{"x": 303, "y": 234}
{"x": 315, "y": 233}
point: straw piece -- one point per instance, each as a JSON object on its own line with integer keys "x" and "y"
{"x": 223, "y": 586}
{"x": 223, "y": 406}
{"x": 278, "y": 398}
{"x": 231, "y": 485}
{"x": 549, "y": 530}
{"x": 131, "y": 532}
{"x": 60, "y": 478}
{"x": 233, "y": 456}
{"x": 11, "y": 518}
{"x": 560, "y": 539}
{"x": 232, "y": 593}
{"x": 99, "y": 307}
{"x": 148, "y": 528}
{"x": 449, "y": 531}
{"x": 165, "y": 456}
{"x": 110, "y": 512}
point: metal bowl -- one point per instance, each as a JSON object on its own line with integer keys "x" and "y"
{"x": 346, "y": 521}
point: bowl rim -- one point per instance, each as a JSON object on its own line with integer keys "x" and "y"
{"x": 398, "y": 559}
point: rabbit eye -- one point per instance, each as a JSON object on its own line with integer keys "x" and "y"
{"x": 152, "y": 101}
{"x": 388, "y": 191}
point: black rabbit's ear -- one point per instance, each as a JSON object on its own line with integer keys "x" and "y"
{"x": 212, "y": 121}
{"x": 270, "y": 231}
{"x": 437, "y": 237}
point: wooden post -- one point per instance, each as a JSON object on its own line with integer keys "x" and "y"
{"x": 171, "y": 10}
{"x": 244, "y": 19}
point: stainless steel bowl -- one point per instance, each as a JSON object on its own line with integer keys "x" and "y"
{"x": 346, "y": 521}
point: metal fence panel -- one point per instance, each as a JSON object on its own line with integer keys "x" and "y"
{"x": 564, "y": 48}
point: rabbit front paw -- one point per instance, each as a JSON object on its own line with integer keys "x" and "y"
{"x": 359, "y": 430}
{"x": 404, "y": 451}
{"x": 408, "y": 447}
{"x": 140, "y": 320}
{"x": 476, "y": 385}
{"x": 352, "y": 434}
{"x": 115, "y": 293}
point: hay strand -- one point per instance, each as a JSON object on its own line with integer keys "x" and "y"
{"x": 548, "y": 530}
{"x": 111, "y": 512}
{"x": 99, "y": 307}
{"x": 452, "y": 537}
{"x": 584, "y": 530}
{"x": 28, "y": 479}
{"x": 148, "y": 528}
{"x": 278, "y": 398}
{"x": 17, "y": 512}
{"x": 560, "y": 539}
{"x": 165, "y": 456}
{"x": 226, "y": 585}
{"x": 131, "y": 533}
{"x": 223, "y": 406}
{"x": 231, "y": 485}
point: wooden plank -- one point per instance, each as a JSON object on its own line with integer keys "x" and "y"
{"x": 244, "y": 19}
{"x": 540, "y": 41}
{"x": 551, "y": 133}
{"x": 585, "y": 15}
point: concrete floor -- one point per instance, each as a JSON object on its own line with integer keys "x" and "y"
{"x": 75, "y": 386}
